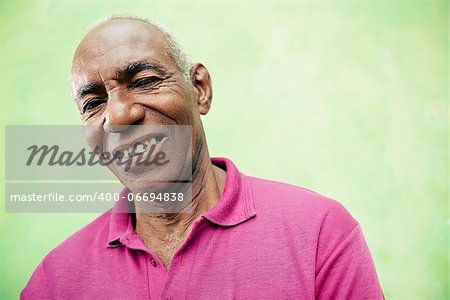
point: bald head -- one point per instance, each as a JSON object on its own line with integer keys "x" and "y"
{"x": 135, "y": 60}
{"x": 123, "y": 25}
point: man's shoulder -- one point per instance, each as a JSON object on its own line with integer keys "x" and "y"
{"x": 76, "y": 246}
{"x": 294, "y": 203}
{"x": 67, "y": 265}
{"x": 279, "y": 193}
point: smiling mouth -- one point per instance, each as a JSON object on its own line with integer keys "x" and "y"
{"x": 139, "y": 147}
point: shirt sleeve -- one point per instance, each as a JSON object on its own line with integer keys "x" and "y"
{"x": 35, "y": 288}
{"x": 344, "y": 265}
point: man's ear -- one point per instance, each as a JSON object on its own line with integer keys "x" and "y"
{"x": 202, "y": 84}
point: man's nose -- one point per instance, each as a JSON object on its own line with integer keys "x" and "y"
{"x": 121, "y": 112}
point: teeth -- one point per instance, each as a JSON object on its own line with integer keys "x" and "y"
{"x": 140, "y": 148}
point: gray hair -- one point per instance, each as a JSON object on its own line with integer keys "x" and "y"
{"x": 174, "y": 49}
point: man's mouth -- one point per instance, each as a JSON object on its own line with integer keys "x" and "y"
{"x": 139, "y": 147}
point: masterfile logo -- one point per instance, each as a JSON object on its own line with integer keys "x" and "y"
{"x": 83, "y": 168}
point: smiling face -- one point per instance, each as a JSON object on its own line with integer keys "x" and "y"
{"x": 123, "y": 75}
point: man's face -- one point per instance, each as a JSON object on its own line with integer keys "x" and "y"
{"x": 122, "y": 75}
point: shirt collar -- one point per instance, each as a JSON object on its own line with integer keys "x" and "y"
{"x": 236, "y": 204}
{"x": 234, "y": 207}
{"x": 120, "y": 222}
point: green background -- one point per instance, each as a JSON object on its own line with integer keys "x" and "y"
{"x": 348, "y": 98}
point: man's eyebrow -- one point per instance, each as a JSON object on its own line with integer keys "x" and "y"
{"x": 136, "y": 67}
{"x": 90, "y": 88}
{"x": 129, "y": 71}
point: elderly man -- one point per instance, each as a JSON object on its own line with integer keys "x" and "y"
{"x": 244, "y": 238}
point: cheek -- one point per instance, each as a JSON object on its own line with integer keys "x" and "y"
{"x": 95, "y": 120}
{"x": 172, "y": 102}
{"x": 94, "y": 136}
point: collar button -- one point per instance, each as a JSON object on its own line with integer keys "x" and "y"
{"x": 153, "y": 262}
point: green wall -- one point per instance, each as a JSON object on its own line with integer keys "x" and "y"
{"x": 348, "y": 98}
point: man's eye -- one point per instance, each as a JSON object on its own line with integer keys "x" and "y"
{"x": 92, "y": 104}
{"x": 146, "y": 81}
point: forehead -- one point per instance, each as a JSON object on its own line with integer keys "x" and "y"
{"x": 116, "y": 43}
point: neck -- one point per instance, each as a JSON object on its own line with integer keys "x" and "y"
{"x": 164, "y": 233}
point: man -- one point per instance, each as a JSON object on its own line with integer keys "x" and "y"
{"x": 244, "y": 238}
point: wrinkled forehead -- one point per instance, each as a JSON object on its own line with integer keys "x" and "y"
{"x": 116, "y": 43}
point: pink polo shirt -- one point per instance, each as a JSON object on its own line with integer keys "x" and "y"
{"x": 263, "y": 240}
